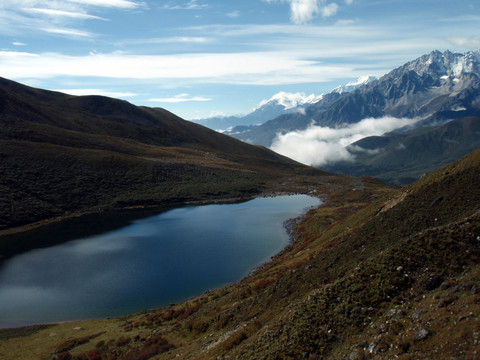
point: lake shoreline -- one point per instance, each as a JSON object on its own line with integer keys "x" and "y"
{"x": 228, "y": 200}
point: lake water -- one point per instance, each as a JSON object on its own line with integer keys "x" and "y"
{"x": 148, "y": 263}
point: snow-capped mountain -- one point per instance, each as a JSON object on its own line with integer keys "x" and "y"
{"x": 436, "y": 87}
{"x": 282, "y": 103}
{"x": 279, "y": 104}
{"x": 353, "y": 85}
{"x": 289, "y": 100}
{"x": 446, "y": 65}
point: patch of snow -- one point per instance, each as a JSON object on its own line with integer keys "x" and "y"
{"x": 352, "y": 85}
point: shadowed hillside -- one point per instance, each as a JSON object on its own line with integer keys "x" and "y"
{"x": 62, "y": 155}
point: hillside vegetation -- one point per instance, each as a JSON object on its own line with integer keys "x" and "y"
{"x": 373, "y": 273}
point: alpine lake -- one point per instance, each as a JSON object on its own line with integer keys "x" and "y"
{"x": 104, "y": 266}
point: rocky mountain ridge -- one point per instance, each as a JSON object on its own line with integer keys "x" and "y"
{"x": 437, "y": 84}
{"x": 282, "y": 103}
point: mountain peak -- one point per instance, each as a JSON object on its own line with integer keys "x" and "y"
{"x": 352, "y": 85}
{"x": 290, "y": 100}
{"x": 446, "y": 64}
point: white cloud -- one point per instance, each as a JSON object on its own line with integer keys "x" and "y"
{"x": 234, "y": 14}
{"x": 123, "y": 4}
{"x": 302, "y": 11}
{"x": 61, "y": 13}
{"x": 319, "y": 145}
{"x": 259, "y": 68}
{"x": 68, "y": 32}
{"x": 466, "y": 43}
{"x": 329, "y": 10}
{"x": 190, "y": 5}
{"x": 180, "y": 98}
{"x": 345, "y": 22}
{"x": 18, "y": 43}
{"x": 26, "y": 16}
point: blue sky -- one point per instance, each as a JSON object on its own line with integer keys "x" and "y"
{"x": 199, "y": 58}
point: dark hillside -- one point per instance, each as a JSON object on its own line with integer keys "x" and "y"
{"x": 62, "y": 154}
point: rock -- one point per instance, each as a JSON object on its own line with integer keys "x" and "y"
{"x": 418, "y": 313}
{"x": 372, "y": 348}
{"x": 361, "y": 345}
{"x": 421, "y": 335}
{"x": 447, "y": 284}
{"x": 391, "y": 313}
{"x": 357, "y": 355}
{"x": 433, "y": 283}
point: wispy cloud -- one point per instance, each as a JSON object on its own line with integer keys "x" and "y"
{"x": 467, "y": 43}
{"x": 122, "y": 4}
{"x": 190, "y": 5}
{"x": 345, "y": 22}
{"x": 234, "y": 14}
{"x": 166, "y": 40}
{"x": 26, "y": 16}
{"x": 62, "y": 13}
{"x": 322, "y": 145}
{"x": 68, "y": 32}
{"x": 180, "y": 98}
{"x": 81, "y": 92}
{"x": 259, "y": 68}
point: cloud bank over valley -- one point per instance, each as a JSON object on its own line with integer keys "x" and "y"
{"x": 318, "y": 145}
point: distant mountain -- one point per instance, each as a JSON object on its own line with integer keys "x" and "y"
{"x": 282, "y": 103}
{"x": 433, "y": 83}
{"x": 278, "y": 104}
{"x": 63, "y": 154}
{"x": 353, "y": 85}
{"x": 293, "y": 116}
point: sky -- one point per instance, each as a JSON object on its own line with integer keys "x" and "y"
{"x": 202, "y": 58}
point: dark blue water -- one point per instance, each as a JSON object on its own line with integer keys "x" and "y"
{"x": 152, "y": 262}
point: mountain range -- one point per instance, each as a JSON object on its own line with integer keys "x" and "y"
{"x": 431, "y": 91}
{"x": 279, "y": 104}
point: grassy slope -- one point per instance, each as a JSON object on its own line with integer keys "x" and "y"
{"x": 373, "y": 273}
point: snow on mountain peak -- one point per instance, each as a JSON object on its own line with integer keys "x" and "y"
{"x": 352, "y": 85}
{"x": 290, "y": 100}
{"x": 446, "y": 64}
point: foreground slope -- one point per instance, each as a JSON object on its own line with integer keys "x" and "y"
{"x": 62, "y": 155}
{"x": 373, "y": 273}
